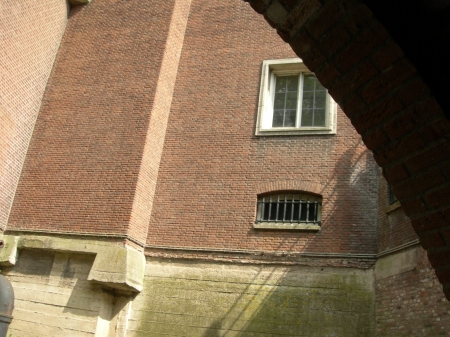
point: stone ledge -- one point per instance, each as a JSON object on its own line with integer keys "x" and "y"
{"x": 79, "y": 2}
{"x": 285, "y": 226}
{"x": 119, "y": 267}
{"x": 393, "y": 207}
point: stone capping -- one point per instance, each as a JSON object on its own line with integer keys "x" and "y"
{"x": 115, "y": 266}
{"x": 79, "y": 2}
{"x": 287, "y": 226}
{"x": 107, "y": 236}
{"x": 190, "y": 249}
{"x": 398, "y": 248}
{"x": 393, "y": 207}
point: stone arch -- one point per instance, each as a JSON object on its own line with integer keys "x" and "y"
{"x": 291, "y": 185}
{"x": 387, "y": 101}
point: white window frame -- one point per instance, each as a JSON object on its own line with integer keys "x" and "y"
{"x": 293, "y": 66}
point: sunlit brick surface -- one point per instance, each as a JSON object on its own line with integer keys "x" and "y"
{"x": 31, "y": 32}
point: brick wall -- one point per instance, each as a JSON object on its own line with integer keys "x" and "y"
{"x": 84, "y": 164}
{"x": 31, "y": 33}
{"x": 213, "y": 166}
{"x": 412, "y": 303}
{"x": 394, "y": 227}
{"x": 379, "y": 89}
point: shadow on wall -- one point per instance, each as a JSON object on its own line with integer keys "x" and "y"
{"x": 349, "y": 213}
{"x": 309, "y": 301}
{"x": 215, "y": 330}
{"x": 53, "y": 296}
{"x": 353, "y": 219}
{"x": 227, "y": 300}
{"x": 306, "y": 302}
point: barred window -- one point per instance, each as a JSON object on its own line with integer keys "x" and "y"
{"x": 289, "y": 208}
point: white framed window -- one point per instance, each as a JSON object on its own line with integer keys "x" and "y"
{"x": 292, "y": 101}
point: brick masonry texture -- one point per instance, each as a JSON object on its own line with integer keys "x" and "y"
{"x": 213, "y": 166}
{"x": 146, "y": 130}
{"x": 400, "y": 135}
{"x": 86, "y": 159}
{"x": 412, "y": 303}
{"x": 394, "y": 227}
{"x": 30, "y": 35}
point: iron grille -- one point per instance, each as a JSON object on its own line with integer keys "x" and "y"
{"x": 289, "y": 208}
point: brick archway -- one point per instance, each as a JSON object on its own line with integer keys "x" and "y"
{"x": 388, "y": 102}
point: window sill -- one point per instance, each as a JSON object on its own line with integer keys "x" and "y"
{"x": 287, "y": 226}
{"x": 393, "y": 207}
{"x": 295, "y": 132}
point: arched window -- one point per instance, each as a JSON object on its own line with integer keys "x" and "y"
{"x": 289, "y": 208}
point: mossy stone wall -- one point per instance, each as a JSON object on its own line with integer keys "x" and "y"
{"x": 227, "y": 300}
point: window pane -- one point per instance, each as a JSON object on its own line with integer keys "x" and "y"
{"x": 319, "y": 117}
{"x": 291, "y": 100}
{"x": 278, "y": 116}
{"x": 289, "y": 118}
{"x": 288, "y": 215}
{"x": 279, "y": 101}
{"x": 266, "y": 211}
{"x": 312, "y": 212}
{"x": 292, "y": 83}
{"x": 280, "y": 84}
{"x": 308, "y": 82}
{"x": 307, "y": 117}
{"x": 320, "y": 99}
{"x": 303, "y": 211}
{"x": 308, "y": 100}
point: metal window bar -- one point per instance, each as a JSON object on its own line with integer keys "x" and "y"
{"x": 308, "y": 208}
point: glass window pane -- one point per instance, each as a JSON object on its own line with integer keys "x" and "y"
{"x": 307, "y": 117}
{"x": 320, "y": 99}
{"x": 292, "y": 83}
{"x": 288, "y": 214}
{"x": 273, "y": 211}
{"x": 280, "y": 84}
{"x": 308, "y": 100}
{"x": 280, "y": 211}
{"x": 291, "y": 100}
{"x": 279, "y": 101}
{"x": 312, "y": 212}
{"x": 278, "y": 116}
{"x": 289, "y": 118}
{"x": 303, "y": 212}
{"x": 308, "y": 82}
{"x": 319, "y": 117}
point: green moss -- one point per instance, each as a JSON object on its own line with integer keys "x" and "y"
{"x": 318, "y": 305}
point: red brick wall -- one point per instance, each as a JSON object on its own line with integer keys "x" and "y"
{"x": 30, "y": 35}
{"x": 82, "y": 168}
{"x": 366, "y": 72}
{"x": 213, "y": 166}
{"x": 394, "y": 227}
{"x": 412, "y": 303}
